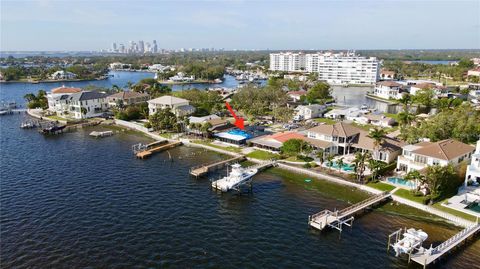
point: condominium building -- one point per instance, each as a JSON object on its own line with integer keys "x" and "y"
{"x": 343, "y": 68}
{"x": 334, "y": 68}
{"x": 288, "y": 61}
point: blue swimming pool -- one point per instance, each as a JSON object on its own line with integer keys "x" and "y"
{"x": 240, "y": 133}
{"x": 401, "y": 181}
{"x": 474, "y": 207}
{"x": 345, "y": 167}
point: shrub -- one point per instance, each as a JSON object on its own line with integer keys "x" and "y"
{"x": 307, "y": 165}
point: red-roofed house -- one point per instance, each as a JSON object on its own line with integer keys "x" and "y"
{"x": 275, "y": 141}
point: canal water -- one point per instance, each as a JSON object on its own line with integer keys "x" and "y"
{"x": 348, "y": 96}
{"x": 73, "y": 201}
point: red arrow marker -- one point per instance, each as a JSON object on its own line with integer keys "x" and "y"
{"x": 239, "y": 122}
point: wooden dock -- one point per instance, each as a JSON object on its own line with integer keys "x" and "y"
{"x": 156, "y": 147}
{"x": 203, "y": 169}
{"x": 429, "y": 256}
{"x": 336, "y": 219}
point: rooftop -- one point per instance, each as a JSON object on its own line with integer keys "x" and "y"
{"x": 128, "y": 95}
{"x": 64, "y": 89}
{"x": 445, "y": 150}
{"x": 168, "y": 100}
{"x": 82, "y": 96}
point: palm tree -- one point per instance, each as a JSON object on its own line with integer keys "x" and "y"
{"x": 84, "y": 111}
{"x": 405, "y": 101}
{"x": 359, "y": 163}
{"x": 405, "y": 118}
{"x": 321, "y": 156}
{"x": 115, "y": 88}
{"x": 330, "y": 161}
{"x": 377, "y": 134}
{"x": 340, "y": 164}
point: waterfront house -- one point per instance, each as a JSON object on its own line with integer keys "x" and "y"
{"x": 179, "y": 106}
{"x": 387, "y": 75}
{"x": 274, "y": 142}
{"x": 388, "y": 90}
{"x": 380, "y": 120}
{"x": 419, "y": 156}
{"x": 181, "y": 77}
{"x": 474, "y": 72}
{"x": 473, "y": 170}
{"x": 309, "y": 112}
{"x": 57, "y": 99}
{"x": 87, "y": 104}
{"x": 127, "y": 98}
{"x": 217, "y": 123}
{"x": 58, "y": 75}
{"x": 438, "y": 89}
{"x": 343, "y": 113}
{"x": 117, "y": 65}
{"x": 344, "y": 138}
{"x": 296, "y": 95}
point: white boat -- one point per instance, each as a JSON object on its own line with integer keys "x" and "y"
{"x": 412, "y": 240}
{"x": 28, "y": 125}
{"x": 237, "y": 176}
{"x": 101, "y": 134}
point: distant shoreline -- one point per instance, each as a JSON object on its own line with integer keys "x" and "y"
{"x": 52, "y": 81}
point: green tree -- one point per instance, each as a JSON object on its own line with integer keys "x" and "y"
{"x": 330, "y": 161}
{"x": 163, "y": 120}
{"x": 292, "y": 147}
{"x": 442, "y": 180}
{"x": 340, "y": 164}
{"x": 378, "y": 136}
{"x": 321, "y": 156}
{"x": 320, "y": 92}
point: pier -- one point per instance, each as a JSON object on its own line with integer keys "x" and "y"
{"x": 145, "y": 151}
{"x": 203, "y": 169}
{"x": 428, "y": 256}
{"x": 336, "y": 219}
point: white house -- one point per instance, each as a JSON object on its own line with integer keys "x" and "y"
{"x": 474, "y": 72}
{"x": 343, "y": 138}
{"x": 118, "y": 65}
{"x": 179, "y": 106}
{"x": 159, "y": 68}
{"x": 181, "y": 77}
{"x": 388, "y": 90}
{"x": 380, "y": 120}
{"x": 423, "y": 154}
{"x": 57, "y": 99}
{"x": 87, "y": 104}
{"x": 296, "y": 95}
{"x": 62, "y": 75}
{"x": 349, "y": 113}
{"x": 473, "y": 170}
{"x": 127, "y": 98}
{"x": 309, "y": 112}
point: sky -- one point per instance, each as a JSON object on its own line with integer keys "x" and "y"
{"x": 81, "y": 25}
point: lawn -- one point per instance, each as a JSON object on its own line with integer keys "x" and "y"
{"x": 229, "y": 148}
{"x": 55, "y": 117}
{"x": 408, "y": 195}
{"x": 325, "y": 120}
{"x": 299, "y": 159}
{"x": 391, "y": 115}
{"x": 263, "y": 155}
{"x": 454, "y": 212}
{"x": 381, "y": 186}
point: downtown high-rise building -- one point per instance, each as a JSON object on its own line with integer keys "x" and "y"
{"x": 141, "y": 46}
{"x": 154, "y": 46}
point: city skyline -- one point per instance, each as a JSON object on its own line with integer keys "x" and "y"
{"x": 286, "y": 25}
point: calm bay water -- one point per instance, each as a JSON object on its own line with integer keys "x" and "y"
{"x": 72, "y": 201}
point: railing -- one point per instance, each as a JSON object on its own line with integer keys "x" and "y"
{"x": 454, "y": 239}
{"x": 366, "y": 201}
{"x": 215, "y": 162}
